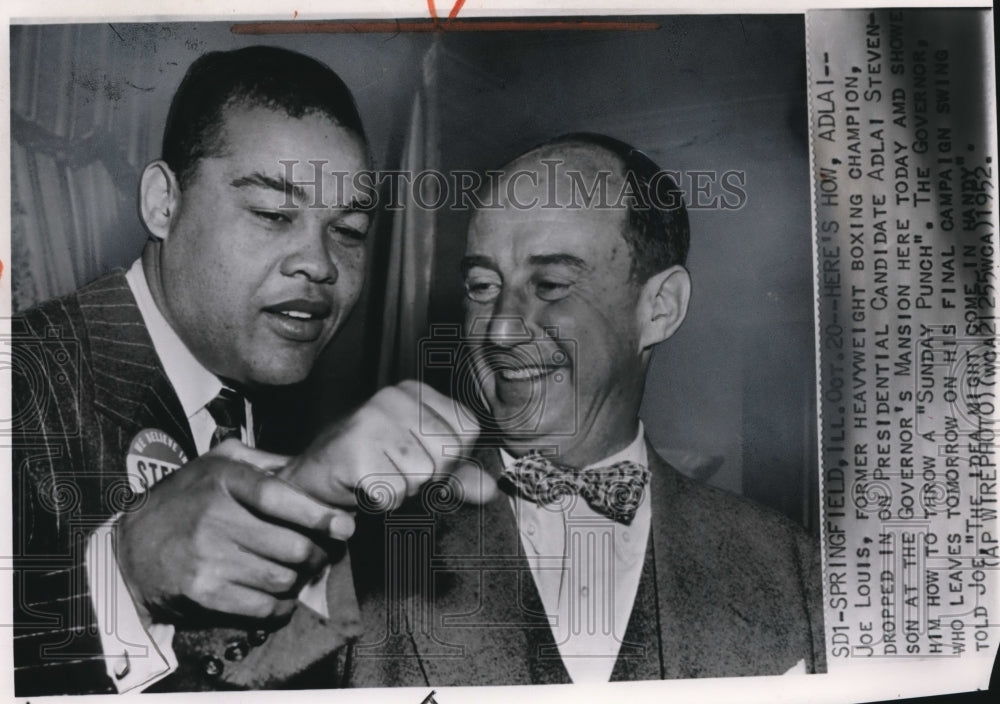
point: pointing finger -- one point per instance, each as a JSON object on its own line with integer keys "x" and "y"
{"x": 282, "y": 500}
{"x": 235, "y": 450}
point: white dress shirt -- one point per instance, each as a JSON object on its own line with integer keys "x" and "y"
{"x": 586, "y": 568}
{"x": 137, "y": 656}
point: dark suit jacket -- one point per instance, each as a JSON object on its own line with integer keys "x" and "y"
{"x": 727, "y": 588}
{"x": 86, "y": 380}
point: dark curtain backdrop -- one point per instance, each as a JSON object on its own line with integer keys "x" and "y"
{"x": 729, "y": 398}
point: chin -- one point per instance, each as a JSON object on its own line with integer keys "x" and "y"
{"x": 279, "y": 374}
{"x": 550, "y": 431}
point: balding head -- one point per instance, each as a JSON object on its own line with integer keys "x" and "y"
{"x": 585, "y": 170}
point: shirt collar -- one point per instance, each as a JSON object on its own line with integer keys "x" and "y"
{"x": 195, "y": 386}
{"x": 634, "y": 452}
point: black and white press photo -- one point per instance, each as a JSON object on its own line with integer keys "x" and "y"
{"x": 488, "y": 351}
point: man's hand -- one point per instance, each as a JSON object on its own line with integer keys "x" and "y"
{"x": 223, "y": 534}
{"x": 390, "y": 447}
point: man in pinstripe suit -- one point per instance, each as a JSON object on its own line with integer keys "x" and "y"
{"x": 157, "y": 547}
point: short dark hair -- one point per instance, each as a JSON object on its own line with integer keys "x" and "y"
{"x": 658, "y": 233}
{"x": 255, "y": 76}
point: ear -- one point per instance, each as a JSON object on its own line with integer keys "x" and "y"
{"x": 663, "y": 303}
{"x": 159, "y": 198}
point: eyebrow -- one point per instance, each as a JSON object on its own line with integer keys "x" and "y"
{"x": 281, "y": 185}
{"x": 558, "y": 259}
{"x": 480, "y": 261}
{"x": 360, "y": 205}
{"x": 259, "y": 180}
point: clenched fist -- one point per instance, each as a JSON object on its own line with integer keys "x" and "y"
{"x": 403, "y": 437}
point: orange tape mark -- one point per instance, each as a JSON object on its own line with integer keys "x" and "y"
{"x": 435, "y": 25}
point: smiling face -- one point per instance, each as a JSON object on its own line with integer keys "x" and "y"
{"x": 253, "y": 272}
{"x": 552, "y": 313}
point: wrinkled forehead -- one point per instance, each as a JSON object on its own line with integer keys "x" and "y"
{"x": 553, "y": 200}
{"x": 241, "y": 121}
{"x": 568, "y": 175}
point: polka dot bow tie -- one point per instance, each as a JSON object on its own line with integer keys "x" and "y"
{"x": 614, "y": 491}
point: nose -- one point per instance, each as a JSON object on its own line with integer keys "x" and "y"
{"x": 510, "y": 323}
{"x": 312, "y": 257}
{"x": 508, "y": 330}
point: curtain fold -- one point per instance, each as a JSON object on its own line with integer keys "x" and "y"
{"x": 414, "y": 235}
{"x": 73, "y": 165}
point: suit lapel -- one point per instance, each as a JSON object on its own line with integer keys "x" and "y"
{"x": 482, "y": 604}
{"x": 641, "y": 653}
{"x": 673, "y": 547}
{"x": 130, "y": 386}
{"x": 132, "y": 392}
{"x": 694, "y": 611}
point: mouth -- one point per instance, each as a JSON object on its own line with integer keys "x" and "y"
{"x": 299, "y": 319}
{"x": 533, "y": 373}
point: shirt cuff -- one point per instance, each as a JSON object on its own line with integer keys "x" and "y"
{"x": 135, "y": 657}
{"x": 313, "y": 594}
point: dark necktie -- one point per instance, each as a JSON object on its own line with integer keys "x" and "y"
{"x": 614, "y": 491}
{"x": 202, "y": 652}
{"x": 229, "y": 413}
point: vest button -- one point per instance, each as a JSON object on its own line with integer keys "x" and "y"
{"x": 211, "y": 666}
{"x": 236, "y": 650}
{"x": 257, "y": 637}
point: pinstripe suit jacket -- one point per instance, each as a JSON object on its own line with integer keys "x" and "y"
{"x": 727, "y": 588}
{"x": 86, "y": 380}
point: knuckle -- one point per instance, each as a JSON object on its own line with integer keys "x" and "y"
{"x": 281, "y": 579}
{"x": 228, "y": 445}
{"x": 260, "y": 605}
{"x": 390, "y": 398}
{"x": 220, "y": 475}
{"x": 299, "y": 549}
{"x": 412, "y": 387}
{"x": 385, "y": 394}
{"x": 266, "y": 492}
{"x": 201, "y": 588}
{"x": 202, "y": 543}
{"x": 372, "y": 414}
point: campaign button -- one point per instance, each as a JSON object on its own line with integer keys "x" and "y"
{"x": 152, "y": 455}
